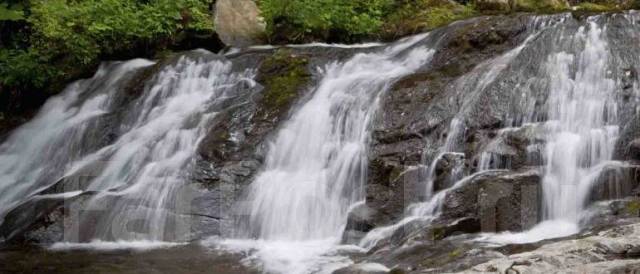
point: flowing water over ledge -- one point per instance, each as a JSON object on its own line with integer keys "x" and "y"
{"x": 122, "y": 163}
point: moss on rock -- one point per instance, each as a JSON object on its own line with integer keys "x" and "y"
{"x": 633, "y": 208}
{"x": 540, "y": 6}
{"x": 283, "y": 74}
{"x": 409, "y": 17}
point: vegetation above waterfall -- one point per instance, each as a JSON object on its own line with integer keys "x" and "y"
{"x": 298, "y": 21}
{"x": 50, "y": 42}
{"x": 45, "y": 44}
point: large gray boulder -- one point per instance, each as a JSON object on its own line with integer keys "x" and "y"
{"x": 502, "y": 201}
{"x": 238, "y": 23}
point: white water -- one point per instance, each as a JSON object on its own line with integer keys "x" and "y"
{"x": 316, "y": 168}
{"x": 583, "y": 124}
{"x": 35, "y": 155}
{"x": 544, "y": 230}
{"x": 481, "y": 76}
{"x": 138, "y": 177}
{"x": 580, "y": 134}
{"x": 171, "y": 119}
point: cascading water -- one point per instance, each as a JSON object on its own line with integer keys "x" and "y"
{"x": 583, "y": 126}
{"x": 574, "y": 132}
{"x": 160, "y": 138}
{"x": 580, "y": 132}
{"x": 316, "y": 167}
{"x": 137, "y": 177}
{"x": 57, "y": 132}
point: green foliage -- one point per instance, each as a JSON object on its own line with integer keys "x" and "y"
{"x": 633, "y": 208}
{"x": 347, "y": 20}
{"x": 412, "y": 16}
{"x": 540, "y": 6}
{"x": 20, "y": 68}
{"x": 284, "y": 74}
{"x": 67, "y": 37}
{"x": 11, "y": 12}
{"x": 319, "y": 18}
{"x": 87, "y": 28}
{"x": 586, "y": 6}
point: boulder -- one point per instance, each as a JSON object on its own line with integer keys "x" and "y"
{"x": 616, "y": 180}
{"x": 363, "y": 268}
{"x": 238, "y": 23}
{"x": 359, "y": 221}
{"x": 610, "y": 251}
{"x": 502, "y": 201}
{"x": 448, "y": 170}
{"x": 634, "y": 150}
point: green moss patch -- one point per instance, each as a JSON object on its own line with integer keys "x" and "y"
{"x": 540, "y": 6}
{"x": 283, "y": 75}
{"x": 633, "y": 208}
{"x": 409, "y": 17}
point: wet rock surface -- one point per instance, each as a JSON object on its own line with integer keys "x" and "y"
{"x": 610, "y": 251}
{"x": 415, "y": 114}
{"x": 413, "y": 123}
{"x": 181, "y": 259}
{"x": 227, "y": 158}
{"x": 502, "y": 201}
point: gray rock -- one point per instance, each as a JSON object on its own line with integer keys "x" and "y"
{"x": 615, "y": 181}
{"x": 238, "y": 23}
{"x": 608, "y": 252}
{"x": 500, "y": 200}
{"x": 634, "y": 150}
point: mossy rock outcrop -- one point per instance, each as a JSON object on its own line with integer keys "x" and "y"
{"x": 521, "y": 5}
{"x": 283, "y": 75}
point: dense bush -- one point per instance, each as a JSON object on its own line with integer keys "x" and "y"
{"x": 412, "y": 16}
{"x": 66, "y": 37}
{"x": 297, "y": 20}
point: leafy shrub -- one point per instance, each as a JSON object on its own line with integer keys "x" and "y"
{"x": 10, "y": 12}
{"x": 586, "y": 6}
{"x": 19, "y": 68}
{"x": 68, "y": 37}
{"x": 412, "y": 16}
{"x": 322, "y": 19}
{"x": 87, "y": 28}
{"x": 540, "y": 6}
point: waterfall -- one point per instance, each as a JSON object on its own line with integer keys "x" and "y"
{"x": 583, "y": 126}
{"x": 37, "y": 153}
{"x": 575, "y": 129}
{"x": 134, "y": 178}
{"x": 316, "y": 167}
